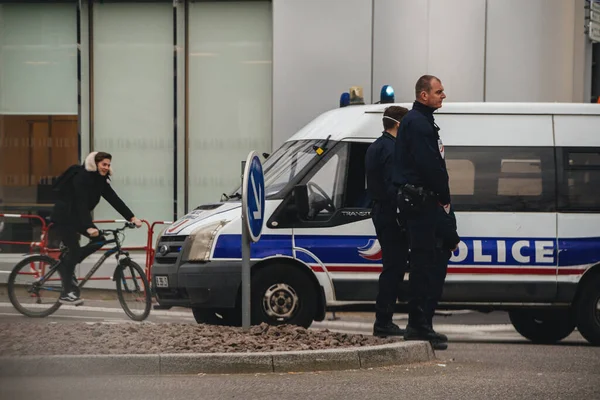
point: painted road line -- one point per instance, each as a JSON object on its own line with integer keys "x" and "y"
{"x": 55, "y": 316}
{"x": 450, "y": 328}
{"x": 104, "y": 309}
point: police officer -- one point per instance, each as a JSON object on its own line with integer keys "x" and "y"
{"x": 379, "y": 163}
{"x": 421, "y": 175}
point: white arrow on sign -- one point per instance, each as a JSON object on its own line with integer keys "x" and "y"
{"x": 257, "y": 196}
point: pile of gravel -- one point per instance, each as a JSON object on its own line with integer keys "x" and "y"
{"x": 130, "y": 338}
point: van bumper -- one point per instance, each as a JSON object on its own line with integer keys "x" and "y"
{"x": 206, "y": 285}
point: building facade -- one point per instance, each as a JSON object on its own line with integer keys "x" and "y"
{"x": 180, "y": 91}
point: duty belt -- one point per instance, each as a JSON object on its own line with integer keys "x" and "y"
{"x": 413, "y": 196}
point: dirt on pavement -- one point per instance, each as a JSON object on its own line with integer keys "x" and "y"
{"x": 17, "y": 339}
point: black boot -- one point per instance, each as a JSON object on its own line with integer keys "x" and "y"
{"x": 438, "y": 341}
{"x": 385, "y": 329}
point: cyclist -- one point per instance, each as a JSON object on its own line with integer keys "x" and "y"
{"x": 71, "y": 216}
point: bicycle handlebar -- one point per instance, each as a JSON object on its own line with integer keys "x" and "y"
{"x": 128, "y": 225}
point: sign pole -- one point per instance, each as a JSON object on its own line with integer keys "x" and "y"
{"x": 253, "y": 213}
{"x": 245, "y": 275}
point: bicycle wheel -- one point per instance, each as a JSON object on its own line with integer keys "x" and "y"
{"x": 133, "y": 290}
{"x": 26, "y": 293}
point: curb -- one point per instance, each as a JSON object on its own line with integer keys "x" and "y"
{"x": 218, "y": 363}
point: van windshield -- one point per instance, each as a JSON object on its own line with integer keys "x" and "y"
{"x": 284, "y": 165}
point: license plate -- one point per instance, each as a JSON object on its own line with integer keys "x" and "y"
{"x": 162, "y": 281}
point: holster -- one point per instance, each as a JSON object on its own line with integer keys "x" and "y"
{"x": 411, "y": 198}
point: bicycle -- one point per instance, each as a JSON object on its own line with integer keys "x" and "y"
{"x": 46, "y": 288}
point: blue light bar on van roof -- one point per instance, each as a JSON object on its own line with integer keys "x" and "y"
{"x": 344, "y": 99}
{"x": 387, "y": 94}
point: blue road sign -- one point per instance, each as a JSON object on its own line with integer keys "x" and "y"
{"x": 253, "y": 196}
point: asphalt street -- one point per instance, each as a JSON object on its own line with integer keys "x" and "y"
{"x": 465, "y": 371}
{"x": 486, "y": 359}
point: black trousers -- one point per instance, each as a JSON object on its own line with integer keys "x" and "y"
{"x": 394, "y": 249}
{"x": 438, "y": 277}
{"x": 76, "y": 254}
{"x": 428, "y": 266}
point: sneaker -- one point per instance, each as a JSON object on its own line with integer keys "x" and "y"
{"x": 387, "y": 329}
{"x": 71, "y": 298}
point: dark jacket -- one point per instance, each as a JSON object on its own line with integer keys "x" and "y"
{"x": 418, "y": 153}
{"x": 78, "y": 199}
{"x": 446, "y": 229}
{"x": 379, "y": 167}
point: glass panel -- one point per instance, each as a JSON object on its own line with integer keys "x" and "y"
{"x": 529, "y": 184}
{"x": 284, "y": 165}
{"x": 38, "y": 111}
{"x": 582, "y": 180}
{"x": 583, "y": 189}
{"x": 230, "y": 90}
{"x": 326, "y": 186}
{"x": 133, "y": 104}
{"x": 502, "y": 178}
{"x": 462, "y": 176}
{"x": 584, "y": 159}
{"x": 38, "y": 59}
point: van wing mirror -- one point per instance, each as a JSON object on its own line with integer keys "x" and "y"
{"x": 301, "y": 200}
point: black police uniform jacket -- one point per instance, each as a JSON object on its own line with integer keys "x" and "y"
{"x": 77, "y": 200}
{"x": 379, "y": 166}
{"x": 418, "y": 157}
{"x": 446, "y": 228}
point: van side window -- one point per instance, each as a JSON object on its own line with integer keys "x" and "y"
{"x": 502, "y": 178}
{"x": 326, "y": 186}
{"x": 355, "y": 194}
{"x": 520, "y": 177}
{"x": 462, "y": 176}
{"x": 581, "y": 179}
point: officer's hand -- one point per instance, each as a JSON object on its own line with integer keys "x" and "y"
{"x": 93, "y": 232}
{"x": 446, "y": 208}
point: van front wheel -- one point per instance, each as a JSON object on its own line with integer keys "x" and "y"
{"x": 282, "y": 294}
{"x": 543, "y": 326}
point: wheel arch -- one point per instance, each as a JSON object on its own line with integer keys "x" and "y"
{"x": 293, "y": 263}
{"x": 588, "y": 275}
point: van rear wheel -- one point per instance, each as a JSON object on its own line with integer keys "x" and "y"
{"x": 282, "y": 294}
{"x": 588, "y": 311}
{"x": 543, "y": 326}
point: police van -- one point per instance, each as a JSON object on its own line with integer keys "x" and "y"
{"x": 524, "y": 180}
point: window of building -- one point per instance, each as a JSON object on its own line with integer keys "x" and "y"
{"x": 38, "y": 111}
{"x": 133, "y": 106}
{"x": 230, "y": 92}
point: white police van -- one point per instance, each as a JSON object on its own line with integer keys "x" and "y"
{"x": 524, "y": 180}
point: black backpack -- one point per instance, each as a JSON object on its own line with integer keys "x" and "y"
{"x": 65, "y": 179}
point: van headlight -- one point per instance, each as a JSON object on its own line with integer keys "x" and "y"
{"x": 199, "y": 243}
{"x": 157, "y": 241}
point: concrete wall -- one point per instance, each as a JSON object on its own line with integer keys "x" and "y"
{"x": 320, "y": 49}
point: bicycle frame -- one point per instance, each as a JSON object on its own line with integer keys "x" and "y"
{"x": 115, "y": 250}
{"x": 104, "y": 257}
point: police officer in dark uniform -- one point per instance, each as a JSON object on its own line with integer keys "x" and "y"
{"x": 422, "y": 178}
{"x": 379, "y": 163}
